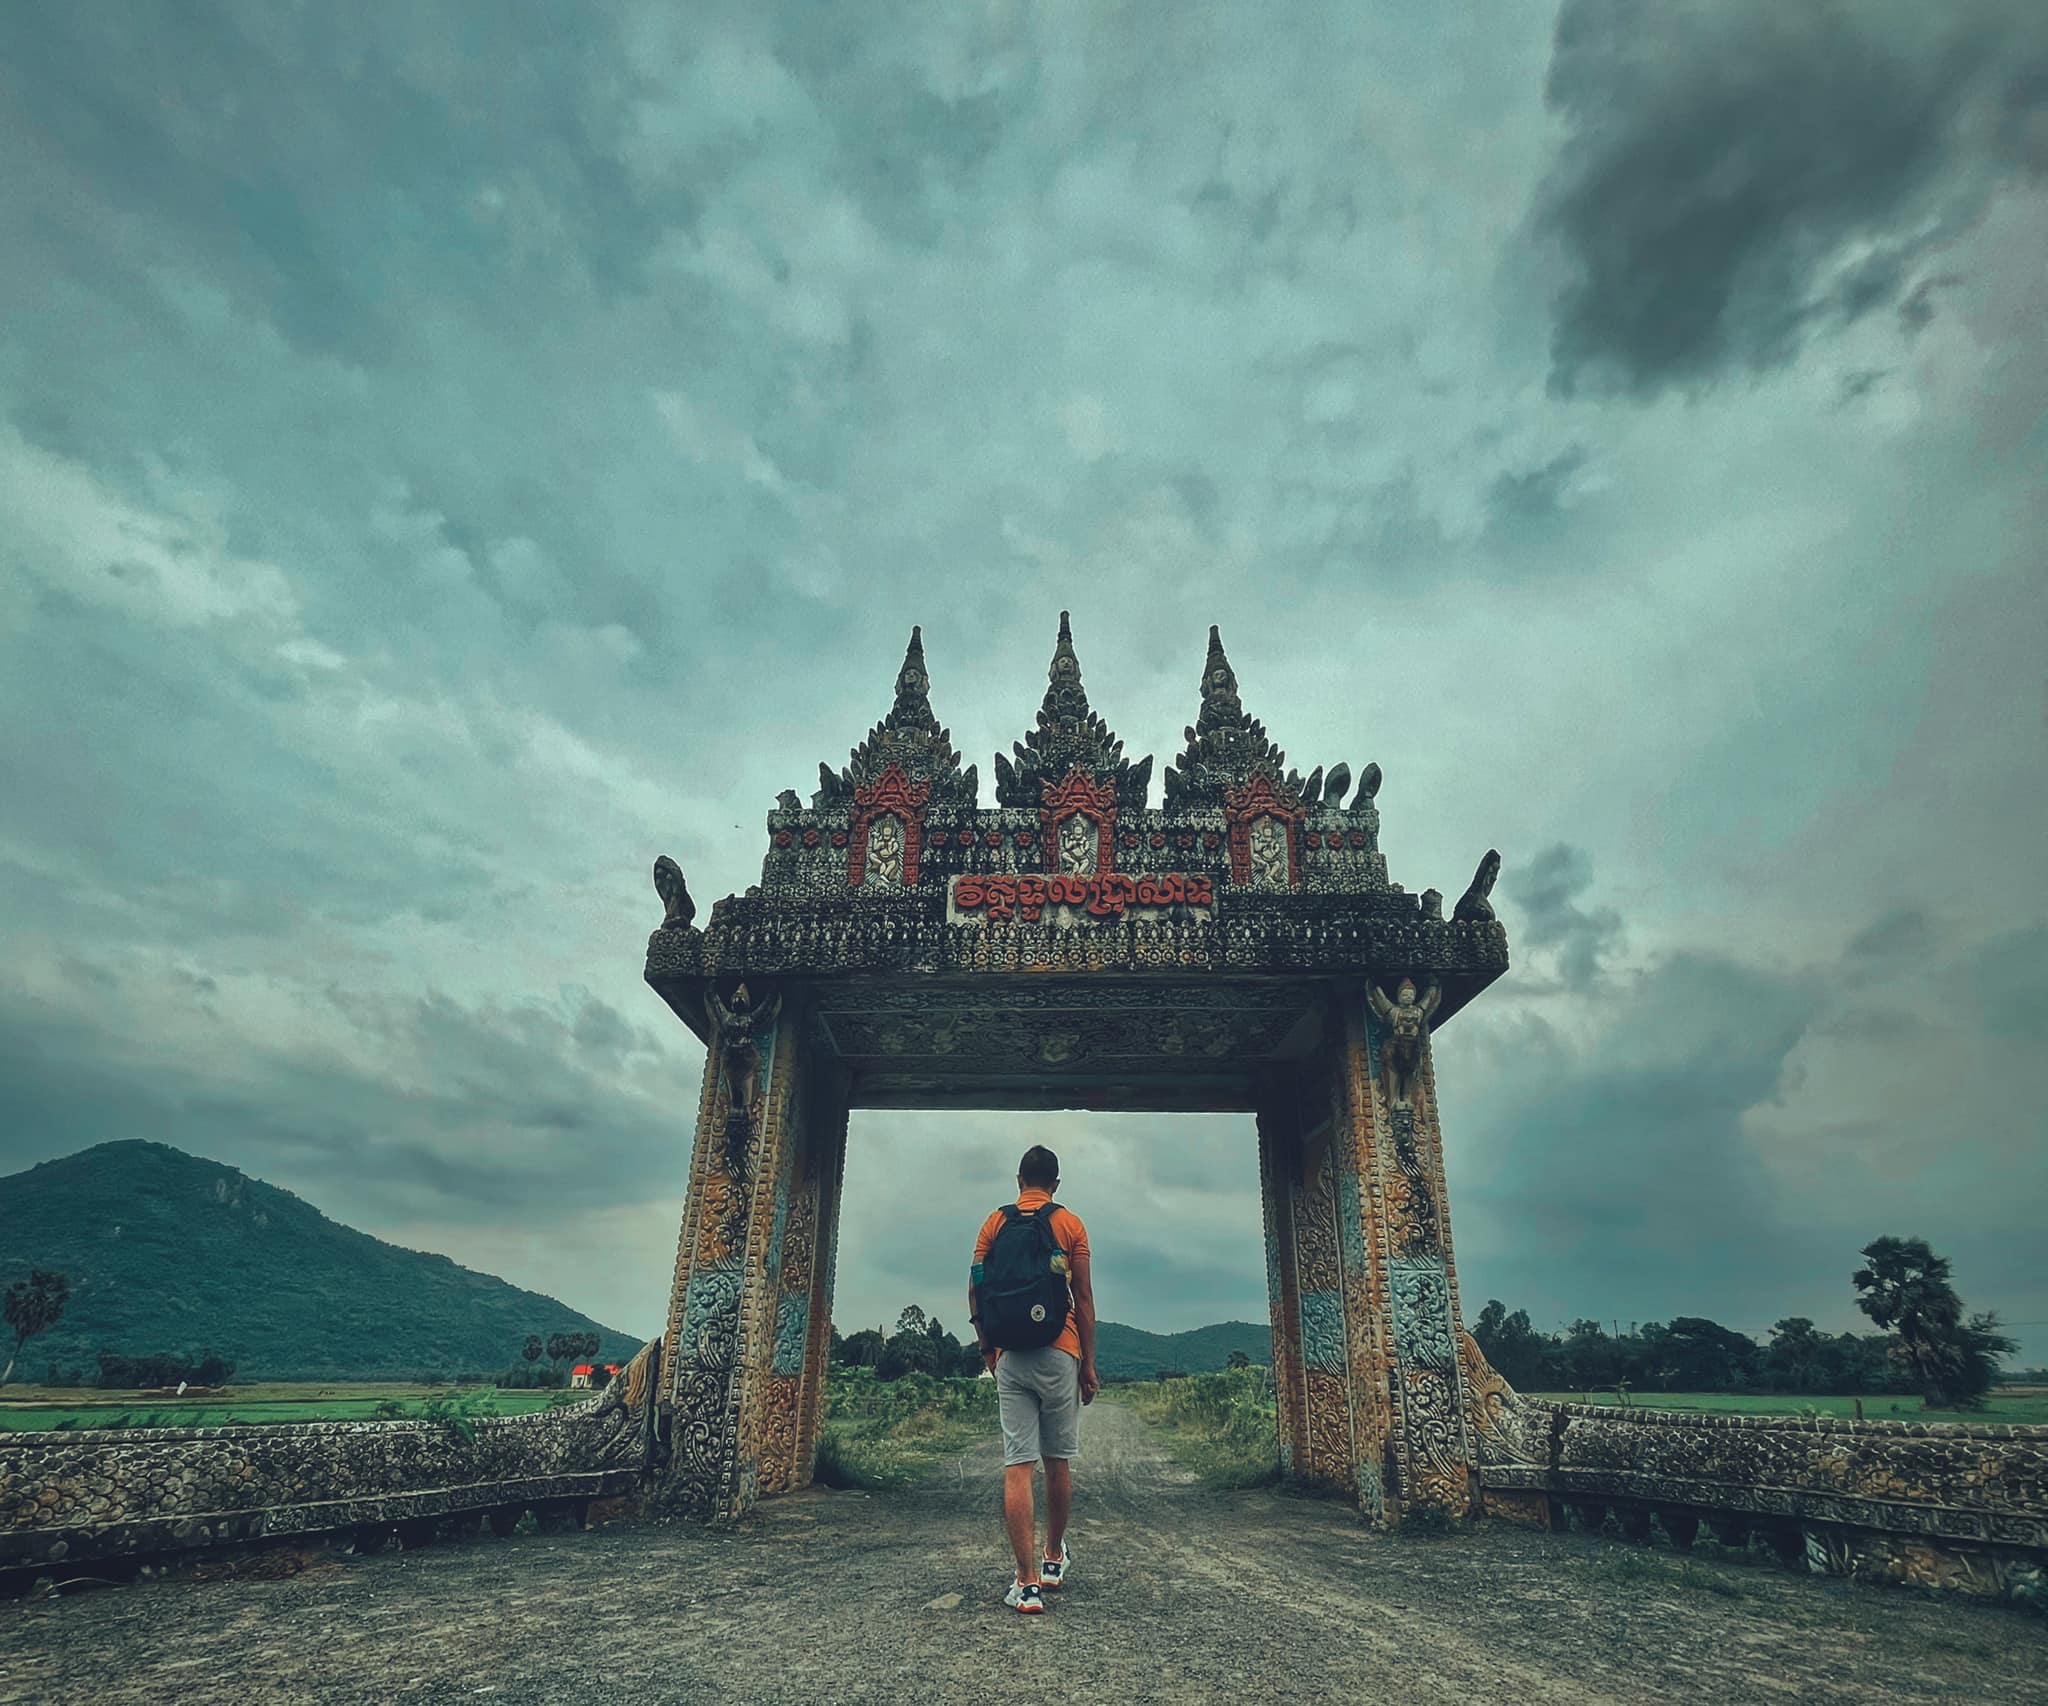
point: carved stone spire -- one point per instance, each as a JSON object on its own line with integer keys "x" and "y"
{"x": 1069, "y": 736}
{"x": 1226, "y": 749}
{"x": 909, "y": 738}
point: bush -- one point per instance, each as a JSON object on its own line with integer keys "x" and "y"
{"x": 1221, "y": 1425}
{"x": 165, "y": 1368}
{"x": 889, "y": 1433}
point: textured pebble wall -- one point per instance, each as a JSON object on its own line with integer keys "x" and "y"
{"x": 1936, "y": 1504}
{"x": 70, "y": 1496}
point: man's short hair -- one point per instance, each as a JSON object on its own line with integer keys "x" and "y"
{"x": 1040, "y": 1167}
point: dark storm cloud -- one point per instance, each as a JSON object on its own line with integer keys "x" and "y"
{"x": 2009, "y": 979}
{"x": 1903, "y": 932}
{"x": 1740, "y": 173}
{"x": 1632, "y": 1162}
{"x": 247, "y": 117}
{"x": 1663, "y": 1168}
{"x": 1547, "y": 891}
{"x": 506, "y": 1115}
{"x": 442, "y": 465}
{"x": 1528, "y": 505}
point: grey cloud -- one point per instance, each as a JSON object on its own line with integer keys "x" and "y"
{"x": 1736, "y": 1132}
{"x": 1533, "y": 499}
{"x": 449, "y": 465}
{"x": 1740, "y": 175}
{"x": 2008, "y": 978}
{"x": 1633, "y": 1162}
{"x": 1896, "y": 935}
{"x": 482, "y": 1113}
{"x": 1547, "y": 890}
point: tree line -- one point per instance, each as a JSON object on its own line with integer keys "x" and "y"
{"x": 558, "y": 1348}
{"x": 34, "y": 1305}
{"x": 1930, "y": 1345}
{"x": 920, "y": 1345}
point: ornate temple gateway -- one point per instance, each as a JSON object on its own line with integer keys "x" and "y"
{"x": 1238, "y": 946}
{"x": 1072, "y": 946}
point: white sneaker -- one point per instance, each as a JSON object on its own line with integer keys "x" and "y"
{"x": 1054, "y": 1570}
{"x": 1025, "y": 1597}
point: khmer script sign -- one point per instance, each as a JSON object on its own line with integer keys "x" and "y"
{"x": 974, "y": 899}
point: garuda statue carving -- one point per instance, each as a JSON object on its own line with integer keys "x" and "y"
{"x": 740, "y": 1026}
{"x": 1407, "y": 1022}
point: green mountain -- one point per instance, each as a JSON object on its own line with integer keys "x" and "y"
{"x": 1131, "y": 1353}
{"x": 170, "y": 1253}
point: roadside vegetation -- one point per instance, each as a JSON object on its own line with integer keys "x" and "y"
{"x": 29, "y": 1408}
{"x": 2015, "y": 1404}
{"x": 1221, "y": 1426}
{"x": 1931, "y": 1348}
{"x": 880, "y": 1434}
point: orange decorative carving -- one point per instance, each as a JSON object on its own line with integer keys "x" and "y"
{"x": 1245, "y": 805}
{"x": 1080, "y": 794}
{"x": 895, "y": 793}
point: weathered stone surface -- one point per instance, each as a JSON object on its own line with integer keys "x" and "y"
{"x": 1075, "y": 946}
{"x": 165, "y": 1489}
{"x": 1936, "y": 1504}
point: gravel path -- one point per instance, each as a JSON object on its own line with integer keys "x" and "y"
{"x": 1177, "y": 1594}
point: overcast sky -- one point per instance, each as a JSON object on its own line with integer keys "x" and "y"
{"x": 447, "y": 458}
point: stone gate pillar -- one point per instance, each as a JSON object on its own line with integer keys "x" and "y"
{"x": 749, "y": 1322}
{"x": 1363, "y": 1292}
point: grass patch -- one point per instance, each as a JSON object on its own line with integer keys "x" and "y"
{"x": 880, "y": 1435}
{"x": 367, "y": 1403}
{"x": 2030, "y": 1406}
{"x": 1221, "y": 1426}
{"x": 1635, "y": 1568}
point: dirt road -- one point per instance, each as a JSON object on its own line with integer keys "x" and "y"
{"x": 1177, "y": 1595}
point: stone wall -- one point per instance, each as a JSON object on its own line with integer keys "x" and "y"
{"x": 1935, "y": 1504}
{"x": 69, "y": 1497}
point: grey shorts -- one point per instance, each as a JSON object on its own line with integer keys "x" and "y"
{"x": 1038, "y": 1397}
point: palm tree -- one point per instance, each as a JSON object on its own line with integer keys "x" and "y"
{"x": 1905, "y": 1288}
{"x": 32, "y": 1305}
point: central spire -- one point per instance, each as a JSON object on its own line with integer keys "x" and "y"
{"x": 913, "y": 707}
{"x": 1068, "y": 736}
{"x": 1225, "y": 747}
{"x": 909, "y": 738}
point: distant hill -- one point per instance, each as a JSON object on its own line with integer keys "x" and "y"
{"x": 1126, "y": 1353}
{"x": 167, "y": 1252}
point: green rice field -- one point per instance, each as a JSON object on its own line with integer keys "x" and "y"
{"x": 2009, "y": 1404}
{"x": 30, "y": 1408}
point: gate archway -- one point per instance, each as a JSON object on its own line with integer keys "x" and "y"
{"x": 1238, "y": 947}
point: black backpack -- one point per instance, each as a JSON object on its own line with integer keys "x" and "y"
{"x": 1020, "y": 1286}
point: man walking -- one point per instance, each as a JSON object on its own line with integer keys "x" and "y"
{"x": 1033, "y": 1306}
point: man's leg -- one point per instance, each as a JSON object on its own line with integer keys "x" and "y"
{"x": 1020, "y": 1518}
{"x": 1017, "y": 1410}
{"x": 1059, "y": 1501}
{"x": 1059, "y": 1429}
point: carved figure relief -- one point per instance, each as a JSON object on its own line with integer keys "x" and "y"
{"x": 1407, "y": 1020}
{"x": 740, "y": 1026}
{"x": 888, "y": 825}
{"x": 1264, "y": 834}
{"x": 885, "y": 852}
{"x": 1269, "y": 854}
{"x": 1077, "y": 845}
